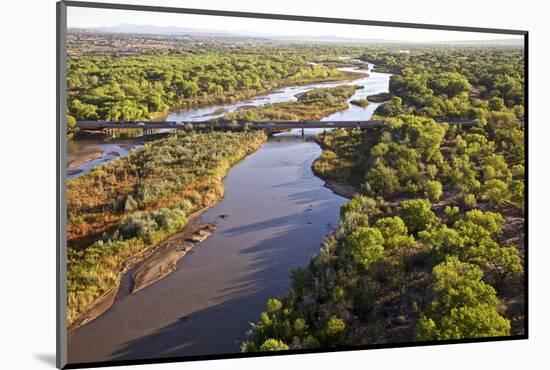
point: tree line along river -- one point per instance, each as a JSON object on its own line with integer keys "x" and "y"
{"x": 278, "y": 213}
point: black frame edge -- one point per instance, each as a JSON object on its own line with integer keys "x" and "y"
{"x": 289, "y": 352}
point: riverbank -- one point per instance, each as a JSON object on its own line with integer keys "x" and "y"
{"x": 408, "y": 243}
{"x": 153, "y": 263}
{"x": 341, "y": 188}
{"x": 164, "y": 259}
{"x": 87, "y": 155}
{"x": 118, "y": 210}
{"x": 272, "y": 218}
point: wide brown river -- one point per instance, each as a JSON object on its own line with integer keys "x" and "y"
{"x": 278, "y": 211}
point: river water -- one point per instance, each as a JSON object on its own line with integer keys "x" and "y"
{"x": 278, "y": 211}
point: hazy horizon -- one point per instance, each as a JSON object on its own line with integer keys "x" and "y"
{"x": 92, "y": 18}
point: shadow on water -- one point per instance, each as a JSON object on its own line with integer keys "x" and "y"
{"x": 206, "y": 331}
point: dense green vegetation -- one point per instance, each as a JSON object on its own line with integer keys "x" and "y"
{"x": 143, "y": 87}
{"x": 121, "y": 208}
{"x": 311, "y": 105}
{"x": 432, "y": 246}
{"x": 453, "y": 82}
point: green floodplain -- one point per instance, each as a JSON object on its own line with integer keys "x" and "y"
{"x": 431, "y": 246}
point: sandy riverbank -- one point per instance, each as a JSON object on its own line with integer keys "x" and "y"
{"x": 89, "y": 154}
{"x": 340, "y": 188}
{"x": 153, "y": 263}
{"x": 164, "y": 259}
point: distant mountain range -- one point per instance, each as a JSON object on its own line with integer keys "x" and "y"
{"x": 182, "y": 31}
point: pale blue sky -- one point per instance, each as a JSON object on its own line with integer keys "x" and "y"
{"x": 89, "y": 17}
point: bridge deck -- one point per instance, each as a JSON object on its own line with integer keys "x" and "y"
{"x": 275, "y": 125}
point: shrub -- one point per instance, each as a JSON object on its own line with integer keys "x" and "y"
{"x": 130, "y": 204}
{"x": 334, "y": 330}
{"x": 468, "y": 200}
{"x": 395, "y": 234}
{"x": 495, "y": 191}
{"x": 417, "y": 215}
{"x": 433, "y": 190}
{"x": 451, "y": 213}
{"x": 366, "y": 246}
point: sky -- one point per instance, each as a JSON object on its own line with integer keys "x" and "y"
{"x": 90, "y": 18}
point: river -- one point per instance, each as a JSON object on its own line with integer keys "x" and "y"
{"x": 278, "y": 211}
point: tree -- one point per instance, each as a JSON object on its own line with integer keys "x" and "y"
{"x": 490, "y": 221}
{"x": 517, "y": 193}
{"x": 496, "y": 104}
{"x": 449, "y": 83}
{"x": 82, "y": 111}
{"x": 365, "y": 245}
{"x": 417, "y": 215}
{"x": 71, "y": 125}
{"x": 478, "y": 231}
{"x": 394, "y": 233}
{"x": 495, "y": 191}
{"x": 495, "y": 167}
{"x": 383, "y": 179}
{"x": 433, "y": 190}
{"x": 463, "y": 306}
{"x": 442, "y": 241}
{"x": 360, "y": 204}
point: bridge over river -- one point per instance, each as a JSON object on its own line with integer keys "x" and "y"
{"x": 149, "y": 126}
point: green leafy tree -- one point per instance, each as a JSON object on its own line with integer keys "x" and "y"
{"x": 417, "y": 215}
{"x": 366, "y": 246}
{"x": 463, "y": 306}
{"x": 433, "y": 189}
{"x": 496, "y": 191}
{"x": 496, "y": 104}
{"x": 517, "y": 193}
{"x": 394, "y": 232}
